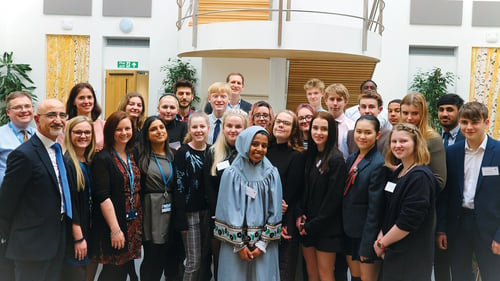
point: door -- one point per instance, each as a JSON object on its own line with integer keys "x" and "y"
{"x": 118, "y": 84}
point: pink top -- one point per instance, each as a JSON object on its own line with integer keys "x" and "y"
{"x": 345, "y": 124}
{"x": 99, "y": 133}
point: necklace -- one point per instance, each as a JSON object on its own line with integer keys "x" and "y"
{"x": 405, "y": 170}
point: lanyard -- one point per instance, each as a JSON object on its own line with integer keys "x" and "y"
{"x": 130, "y": 174}
{"x": 21, "y": 140}
{"x": 165, "y": 181}
{"x": 86, "y": 176}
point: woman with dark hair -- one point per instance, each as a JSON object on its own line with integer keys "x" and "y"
{"x": 133, "y": 104}
{"x": 82, "y": 101}
{"x": 363, "y": 202}
{"x": 285, "y": 154}
{"x": 319, "y": 214}
{"x": 248, "y": 214}
{"x": 304, "y": 113}
{"x": 118, "y": 213}
{"x": 168, "y": 107}
{"x": 262, "y": 115}
{"x": 79, "y": 142}
{"x": 158, "y": 184}
{"x": 219, "y": 157}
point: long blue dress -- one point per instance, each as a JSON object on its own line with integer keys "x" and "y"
{"x": 249, "y": 220}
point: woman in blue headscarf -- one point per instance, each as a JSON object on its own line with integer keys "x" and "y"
{"x": 248, "y": 213}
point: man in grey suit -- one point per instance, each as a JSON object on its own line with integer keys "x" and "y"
{"x": 35, "y": 199}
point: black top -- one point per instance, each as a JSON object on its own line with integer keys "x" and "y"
{"x": 212, "y": 182}
{"x": 189, "y": 195}
{"x": 322, "y": 198}
{"x": 411, "y": 206}
{"x": 290, "y": 164}
{"x": 81, "y": 200}
{"x": 176, "y": 131}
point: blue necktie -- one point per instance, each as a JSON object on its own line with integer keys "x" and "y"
{"x": 446, "y": 137}
{"x": 216, "y": 130}
{"x": 64, "y": 180}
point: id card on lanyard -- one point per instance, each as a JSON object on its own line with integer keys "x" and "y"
{"x": 167, "y": 207}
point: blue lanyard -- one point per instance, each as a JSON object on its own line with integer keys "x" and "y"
{"x": 20, "y": 139}
{"x": 165, "y": 181}
{"x": 130, "y": 173}
{"x": 86, "y": 176}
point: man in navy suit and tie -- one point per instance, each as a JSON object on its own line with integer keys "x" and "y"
{"x": 35, "y": 199}
{"x": 469, "y": 208}
{"x": 448, "y": 107}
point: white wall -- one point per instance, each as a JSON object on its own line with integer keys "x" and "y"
{"x": 26, "y": 29}
{"x": 392, "y": 72}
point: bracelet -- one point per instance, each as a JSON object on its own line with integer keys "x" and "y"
{"x": 79, "y": 240}
{"x": 380, "y": 244}
{"x": 116, "y": 232}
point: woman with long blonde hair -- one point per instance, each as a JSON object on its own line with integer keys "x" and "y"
{"x": 80, "y": 145}
{"x": 414, "y": 111}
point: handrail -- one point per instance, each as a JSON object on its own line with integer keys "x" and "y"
{"x": 369, "y": 22}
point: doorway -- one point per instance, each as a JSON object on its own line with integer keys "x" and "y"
{"x": 121, "y": 82}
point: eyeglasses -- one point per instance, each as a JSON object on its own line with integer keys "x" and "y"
{"x": 53, "y": 115}
{"x": 81, "y": 133}
{"x": 261, "y": 116}
{"x": 21, "y": 107}
{"x": 285, "y": 123}
{"x": 305, "y": 118}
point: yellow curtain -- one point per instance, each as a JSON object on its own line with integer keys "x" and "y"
{"x": 484, "y": 85}
{"x": 67, "y": 63}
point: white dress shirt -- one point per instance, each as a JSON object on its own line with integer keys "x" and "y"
{"x": 472, "y": 168}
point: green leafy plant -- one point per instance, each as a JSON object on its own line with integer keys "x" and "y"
{"x": 178, "y": 69}
{"x": 13, "y": 77}
{"x": 433, "y": 85}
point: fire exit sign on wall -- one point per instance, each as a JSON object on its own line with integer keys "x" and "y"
{"x": 127, "y": 64}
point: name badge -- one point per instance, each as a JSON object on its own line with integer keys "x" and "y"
{"x": 251, "y": 192}
{"x": 165, "y": 208}
{"x": 175, "y": 145}
{"x": 490, "y": 171}
{"x": 222, "y": 165}
{"x": 390, "y": 187}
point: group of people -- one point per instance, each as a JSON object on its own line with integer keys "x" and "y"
{"x": 240, "y": 189}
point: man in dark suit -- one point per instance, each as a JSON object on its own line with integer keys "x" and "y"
{"x": 469, "y": 208}
{"x": 33, "y": 204}
{"x": 448, "y": 107}
{"x": 237, "y": 84}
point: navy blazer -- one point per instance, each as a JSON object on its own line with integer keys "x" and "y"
{"x": 30, "y": 204}
{"x": 363, "y": 203}
{"x": 487, "y": 197}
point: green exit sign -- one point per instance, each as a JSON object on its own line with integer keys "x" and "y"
{"x": 127, "y": 64}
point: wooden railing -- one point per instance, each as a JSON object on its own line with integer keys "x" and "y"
{"x": 209, "y": 11}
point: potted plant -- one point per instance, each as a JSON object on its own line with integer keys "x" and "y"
{"x": 177, "y": 69}
{"x": 433, "y": 85}
{"x": 13, "y": 77}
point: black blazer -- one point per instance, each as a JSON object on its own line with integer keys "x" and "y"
{"x": 244, "y": 105}
{"x": 30, "y": 204}
{"x": 486, "y": 199}
{"x": 108, "y": 183}
{"x": 363, "y": 203}
{"x": 321, "y": 200}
